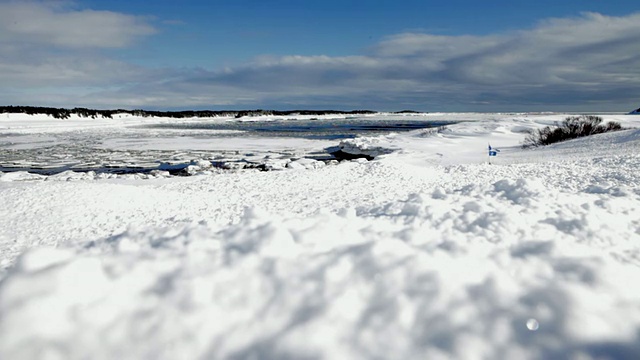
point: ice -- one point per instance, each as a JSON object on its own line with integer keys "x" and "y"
{"x": 425, "y": 251}
{"x": 20, "y": 176}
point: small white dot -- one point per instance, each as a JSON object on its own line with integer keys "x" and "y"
{"x": 532, "y": 324}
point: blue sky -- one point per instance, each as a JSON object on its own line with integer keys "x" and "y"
{"x": 458, "y": 55}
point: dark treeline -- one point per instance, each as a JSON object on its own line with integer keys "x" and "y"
{"x": 60, "y": 113}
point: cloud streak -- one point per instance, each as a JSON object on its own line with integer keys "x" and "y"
{"x": 587, "y": 62}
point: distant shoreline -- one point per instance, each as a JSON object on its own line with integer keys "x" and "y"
{"x": 63, "y": 113}
{"x": 66, "y": 113}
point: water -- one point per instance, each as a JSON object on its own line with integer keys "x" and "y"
{"x": 81, "y": 151}
{"x": 325, "y": 129}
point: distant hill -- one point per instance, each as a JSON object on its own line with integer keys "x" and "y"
{"x": 635, "y": 112}
{"x": 60, "y": 113}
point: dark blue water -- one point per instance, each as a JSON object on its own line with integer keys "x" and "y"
{"x": 333, "y": 129}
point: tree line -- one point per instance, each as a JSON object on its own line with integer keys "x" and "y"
{"x": 61, "y": 113}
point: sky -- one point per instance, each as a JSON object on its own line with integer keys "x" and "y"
{"x": 458, "y": 55}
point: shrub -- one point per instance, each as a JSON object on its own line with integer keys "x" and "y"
{"x": 571, "y": 127}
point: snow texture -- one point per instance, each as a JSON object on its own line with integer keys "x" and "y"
{"x": 426, "y": 252}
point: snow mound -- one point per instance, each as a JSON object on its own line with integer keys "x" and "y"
{"x": 306, "y": 164}
{"x": 20, "y": 176}
{"x": 499, "y": 270}
{"x": 367, "y": 146}
{"x": 70, "y": 175}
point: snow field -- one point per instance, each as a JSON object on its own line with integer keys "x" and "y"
{"x": 414, "y": 255}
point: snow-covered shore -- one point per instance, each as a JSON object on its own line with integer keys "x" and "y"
{"x": 424, "y": 252}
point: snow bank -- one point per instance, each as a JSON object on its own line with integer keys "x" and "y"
{"x": 20, "y": 176}
{"x": 370, "y": 147}
{"x": 458, "y": 273}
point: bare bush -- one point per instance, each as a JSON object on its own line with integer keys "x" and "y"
{"x": 571, "y": 127}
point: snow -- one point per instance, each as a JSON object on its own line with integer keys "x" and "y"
{"x": 425, "y": 252}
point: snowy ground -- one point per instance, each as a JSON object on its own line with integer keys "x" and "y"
{"x": 424, "y": 253}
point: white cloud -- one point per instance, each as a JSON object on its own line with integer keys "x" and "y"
{"x": 56, "y": 25}
{"x": 51, "y": 52}
{"x": 70, "y": 71}
{"x": 587, "y": 62}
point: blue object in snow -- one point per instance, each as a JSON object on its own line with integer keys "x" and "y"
{"x": 492, "y": 151}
